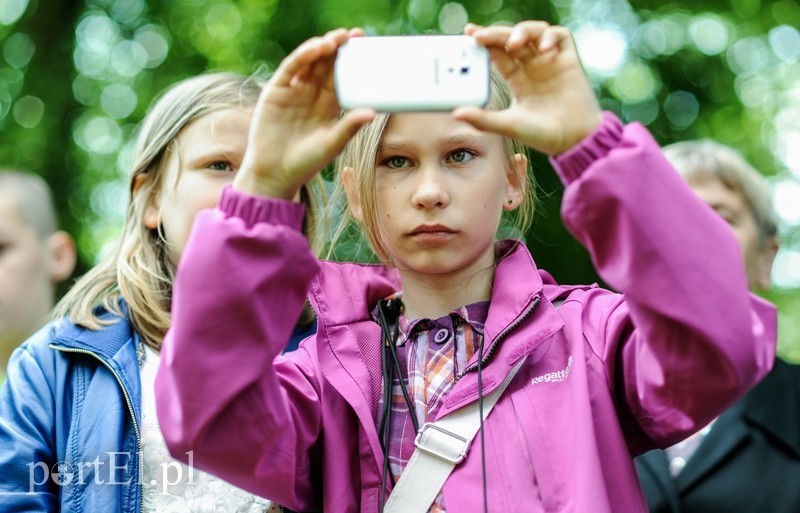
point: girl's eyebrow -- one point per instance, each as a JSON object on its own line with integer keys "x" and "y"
{"x": 216, "y": 149}
{"x": 393, "y": 146}
{"x": 465, "y": 139}
{"x": 452, "y": 140}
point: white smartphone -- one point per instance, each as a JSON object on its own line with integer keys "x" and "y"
{"x": 412, "y": 73}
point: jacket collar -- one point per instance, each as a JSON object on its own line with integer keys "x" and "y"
{"x": 114, "y": 345}
{"x": 105, "y": 342}
{"x": 521, "y": 318}
{"x": 343, "y": 294}
{"x": 511, "y": 296}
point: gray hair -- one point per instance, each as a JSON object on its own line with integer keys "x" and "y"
{"x": 709, "y": 159}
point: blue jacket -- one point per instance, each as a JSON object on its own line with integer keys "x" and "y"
{"x": 69, "y": 416}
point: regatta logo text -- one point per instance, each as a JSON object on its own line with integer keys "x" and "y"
{"x": 554, "y": 377}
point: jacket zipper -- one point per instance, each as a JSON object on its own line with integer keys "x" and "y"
{"x": 534, "y": 303}
{"x": 130, "y": 410}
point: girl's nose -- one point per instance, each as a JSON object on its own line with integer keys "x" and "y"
{"x": 430, "y": 189}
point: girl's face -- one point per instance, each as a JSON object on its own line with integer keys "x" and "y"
{"x": 204, "y": 158}
{"x": 442, "y": 186}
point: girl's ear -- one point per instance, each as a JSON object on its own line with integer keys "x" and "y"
{"x": 151, "y": 218}
{"x": 62, "y": 256}
{"x": 517, "y": 179}
{"x": 349, "y": 181}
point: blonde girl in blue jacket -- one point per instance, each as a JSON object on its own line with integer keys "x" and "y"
{"x": 601, "y": 375}
{"x": 78, "y": 430}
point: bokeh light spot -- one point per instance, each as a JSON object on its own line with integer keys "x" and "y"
{"x": 223, "y": 21}
{"x": 97, "y": 134}
{"x": 422, "y": 12}
{"x": 86, "y": 90}
{"x": 155, "y": 41}
{"x": 97, "y": 33}
{"x": 645, "y": 112}
{"x": 602, "y": 48}
{"x": 127, "y": 11}
{"x": 748, "y": 55}
{"x": 785, "y": 42}
{"x": 452, "y": 18}
{"x": 118, "y": 100}
{"x": 18, "y": 50}
{"x": 709, "y": 34}
{"x": 786, "y": 269}
{"x": 635, "y": 82}
{"x": 681, "y": 109}
{"x": 753, "y": 90}
{"x": 786, "y": 199}
{"x": 650, "y": 39}
{"x": 28, "y": 111}
{"x": 128, "y": 58}
{"x": 12, "y": 10}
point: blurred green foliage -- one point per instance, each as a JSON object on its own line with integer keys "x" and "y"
{"x": 76, "y": 77}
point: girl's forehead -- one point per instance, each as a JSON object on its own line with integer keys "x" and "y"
{"x": 221, "y": 124}
{"x": 427, "y": 127}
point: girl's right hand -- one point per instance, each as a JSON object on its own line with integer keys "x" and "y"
{"x": 297, "y": 129}
{"x": 554, "y": 106}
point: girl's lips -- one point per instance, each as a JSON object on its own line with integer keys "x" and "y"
{"x": 432, "y": 234}
{"x": 432, "y": 228}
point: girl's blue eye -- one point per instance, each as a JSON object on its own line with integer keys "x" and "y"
{"x": 396, "y": 162}
{"x": 221, "y": 166}
{"x": 461, "y": 156}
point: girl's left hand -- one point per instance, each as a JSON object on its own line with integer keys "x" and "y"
{"x": 553, "y": 106}
{"x": 297, "y": 128}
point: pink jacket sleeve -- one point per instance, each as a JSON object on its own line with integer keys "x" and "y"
{"x": 689, "y": 338}
{"x": 222, "y": 354}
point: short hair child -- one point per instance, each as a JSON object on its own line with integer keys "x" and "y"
{"x": 34, "y": 256}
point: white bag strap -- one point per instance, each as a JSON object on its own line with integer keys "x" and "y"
{"x": 441, "y": 445}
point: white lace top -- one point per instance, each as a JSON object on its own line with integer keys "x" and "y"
{"x": 172, "y": 487}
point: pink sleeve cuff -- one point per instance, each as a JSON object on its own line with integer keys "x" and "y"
{"x": 571, "y": 164}
{"x": 254, "y": 209}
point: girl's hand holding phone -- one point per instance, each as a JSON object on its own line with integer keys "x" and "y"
{"x": 554, "y": 106}
{"x": 297, "y": 129}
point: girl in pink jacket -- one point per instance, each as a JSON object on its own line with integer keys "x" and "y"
{"x": 583, "y": 378}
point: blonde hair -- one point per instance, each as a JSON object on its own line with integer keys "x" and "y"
{"x": 139, "y": 268}
{"x": 361, "y": 154}
{"x": 709, "y": 159}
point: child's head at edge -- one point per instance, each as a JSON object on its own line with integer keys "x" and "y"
{"x": 141, "y": 267}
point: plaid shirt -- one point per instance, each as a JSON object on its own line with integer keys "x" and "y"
{"x": 435, "y": 352}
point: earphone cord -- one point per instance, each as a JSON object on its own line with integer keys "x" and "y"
{"x": 480, "y": 412}
{"x": 388, "y": 369}
{"x": 384, "y": 425}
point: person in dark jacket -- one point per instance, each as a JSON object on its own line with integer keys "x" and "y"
{"x": 748, "y": 459}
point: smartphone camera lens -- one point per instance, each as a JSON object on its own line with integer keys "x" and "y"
{"x": 464, "y": 70}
